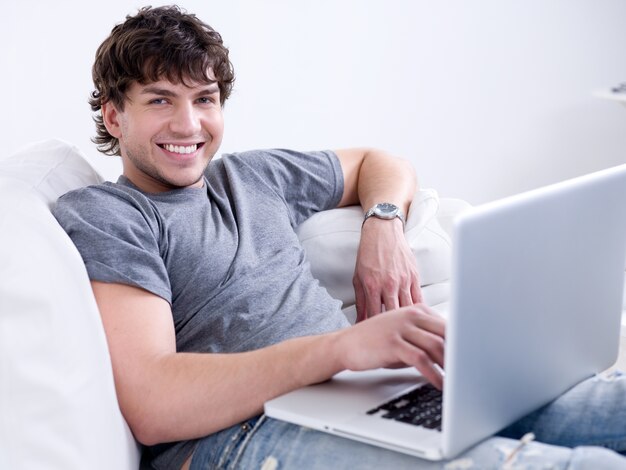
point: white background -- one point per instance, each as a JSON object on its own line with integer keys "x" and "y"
{"x": 486, "y": 98}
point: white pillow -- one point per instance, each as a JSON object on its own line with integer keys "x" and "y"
{"x": 58, "y": 408}
{"x": 331, "y": 239}
{"x": 51, "y": 167}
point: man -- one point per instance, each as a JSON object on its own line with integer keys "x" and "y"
{"x": 208, "y": 304}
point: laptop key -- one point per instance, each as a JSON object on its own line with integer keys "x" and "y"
{"x": 419, "y": 407}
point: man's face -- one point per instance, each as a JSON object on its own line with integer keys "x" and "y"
{"x": 168, "y": 133}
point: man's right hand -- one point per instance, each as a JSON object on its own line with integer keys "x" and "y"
{"x": 409, "y": 336}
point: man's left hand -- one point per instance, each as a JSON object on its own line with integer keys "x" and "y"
{"x": 386, "y": 271}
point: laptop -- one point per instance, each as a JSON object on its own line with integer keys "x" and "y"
{"x": 536, "y": 301}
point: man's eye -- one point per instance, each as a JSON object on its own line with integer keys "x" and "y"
{"x": 158, "y": 101}
{"x": 206, "y": 100}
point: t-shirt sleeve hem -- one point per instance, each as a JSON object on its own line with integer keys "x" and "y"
{"x": 339, "y": 181}
{"x": 103, "y": 273}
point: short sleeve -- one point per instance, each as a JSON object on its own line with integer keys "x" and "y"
{"x": 117, "y": 231}
{"x": 308, "y": 182}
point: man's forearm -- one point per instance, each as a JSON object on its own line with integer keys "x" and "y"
{"x": 372, "y": 176}
{"x": 185, "y": 395}
{"x": 383, "y": 178}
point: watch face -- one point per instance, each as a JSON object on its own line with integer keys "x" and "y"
{"x": 386, "y": 210}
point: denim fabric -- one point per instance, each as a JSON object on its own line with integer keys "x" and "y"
{"x": 222, "y": 449}
{"x": 593, "y": 412}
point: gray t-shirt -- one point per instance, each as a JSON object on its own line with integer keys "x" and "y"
{"x": 225, "y": 256}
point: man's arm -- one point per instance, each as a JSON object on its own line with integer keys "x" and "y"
{"x": 386, "y": 272}
{"x": 167, "y": 396}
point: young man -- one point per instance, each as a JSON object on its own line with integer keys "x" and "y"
{"x": 208, "y": 304}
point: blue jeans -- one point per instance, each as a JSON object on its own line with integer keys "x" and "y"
{"x": 591, "y": 414}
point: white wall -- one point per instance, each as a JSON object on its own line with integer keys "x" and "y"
{"x": 486, "y": 97}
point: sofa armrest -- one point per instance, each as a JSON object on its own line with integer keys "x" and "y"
{"x": 449, "y": 209}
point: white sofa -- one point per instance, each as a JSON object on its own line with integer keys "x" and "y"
{"x": 58, "y": 408}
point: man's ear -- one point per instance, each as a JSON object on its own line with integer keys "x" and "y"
{"x": 111, "y": 119}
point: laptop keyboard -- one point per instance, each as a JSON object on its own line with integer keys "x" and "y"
{"x": 420, "y": 407}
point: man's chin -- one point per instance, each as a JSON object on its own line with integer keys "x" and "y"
{"x": 196, "y": 182}
{"x": 162, "y": 182}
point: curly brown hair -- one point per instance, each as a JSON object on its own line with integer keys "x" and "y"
{"x": 156, "y": 43}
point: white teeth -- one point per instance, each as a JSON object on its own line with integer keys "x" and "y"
{"x": 182, "y": 149}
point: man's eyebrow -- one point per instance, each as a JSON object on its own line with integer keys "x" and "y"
{"x": 155, "y": 90}
{"x": 211, "y": 88}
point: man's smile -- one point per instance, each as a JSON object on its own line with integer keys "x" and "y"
{"x": 181, "y": 149}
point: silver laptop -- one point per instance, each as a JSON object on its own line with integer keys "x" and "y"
{"x": 537, "y": 285}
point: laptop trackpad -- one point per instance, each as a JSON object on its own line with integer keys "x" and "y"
{"x": 394, "y": 435}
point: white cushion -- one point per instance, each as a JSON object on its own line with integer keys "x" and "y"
{"x": 58, "y": 408}
{"x": 331, "y": 239}
{"x": 51, "y": 168}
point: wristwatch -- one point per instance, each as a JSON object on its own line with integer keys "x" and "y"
{"x": 386, "y": 211}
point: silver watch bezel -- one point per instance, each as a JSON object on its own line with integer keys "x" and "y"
{"x": 385, "y": 211}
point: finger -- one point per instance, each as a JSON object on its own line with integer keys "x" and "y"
{"x": 359, "y": 301}
{"x": 433, "y": 375}
{"x": 432, "y": 312}
{"x": 425, "y": 318}
{"x": 406, "y": 299}
{"x": 391, "y": 302}
{"x": 431, "y": 343}
{"x": 374, "y": 304}
{"x": 416, "y": 293}
{"x": 422, "y": 362}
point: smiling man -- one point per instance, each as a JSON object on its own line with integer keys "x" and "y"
{"x": 209, "y": 306}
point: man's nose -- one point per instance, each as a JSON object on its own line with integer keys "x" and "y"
{"x": 186, "y": 120}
